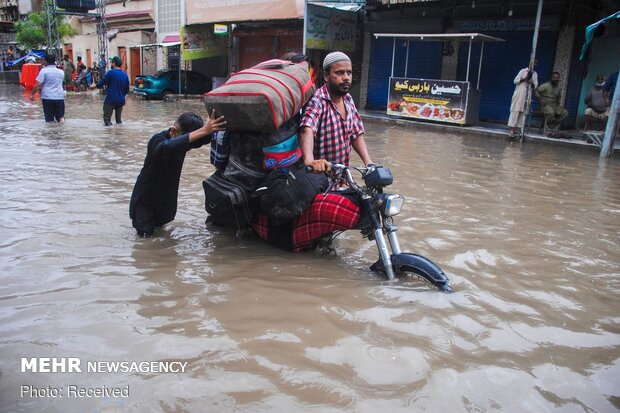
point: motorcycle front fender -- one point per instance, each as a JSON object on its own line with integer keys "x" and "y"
{"x": 417, "y": 264}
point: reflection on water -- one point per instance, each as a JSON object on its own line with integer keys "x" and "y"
{"x": 529, "y": 235}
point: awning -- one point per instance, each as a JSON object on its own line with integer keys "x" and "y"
{"x": 590, "y": 32}
{"x": 156, "y": 44}
{"x": 225, "y": 11}
{"x": 172, "y": 38}
{"x": 354, "y": 6}
{"x": 38, "y": 54}
{"x": 128, "y": 14}
{"x": 461, "y": 37}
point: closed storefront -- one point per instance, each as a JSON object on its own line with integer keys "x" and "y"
{"x": 502, "y": 61}
{"x": 422, "y": 61}
{"x": 263, "y": 43}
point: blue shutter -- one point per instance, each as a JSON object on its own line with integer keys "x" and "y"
{"x": 424, "y": 62}
{"x": 501, "y": 63}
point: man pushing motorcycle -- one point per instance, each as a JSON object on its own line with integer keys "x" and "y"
{"x": 331, "y": 124}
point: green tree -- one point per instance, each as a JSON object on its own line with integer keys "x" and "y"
{"x": 32, "y": 32}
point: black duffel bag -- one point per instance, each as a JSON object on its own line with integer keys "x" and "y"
{"x": 227, "y": 203}
{"x": 287, "y": 192}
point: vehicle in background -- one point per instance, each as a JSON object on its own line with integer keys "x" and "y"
{"x": 166, "y": 82}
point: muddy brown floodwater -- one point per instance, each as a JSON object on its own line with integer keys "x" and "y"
{"x": 529, "y": 235}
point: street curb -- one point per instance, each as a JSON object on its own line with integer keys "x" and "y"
{"x": 478, "y": 131}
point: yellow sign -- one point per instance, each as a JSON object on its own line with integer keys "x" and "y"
{"x": 422, "y": 100}
{"x": 220, "y": 29}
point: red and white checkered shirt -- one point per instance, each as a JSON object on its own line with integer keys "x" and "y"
{"x": 333, "y": 135}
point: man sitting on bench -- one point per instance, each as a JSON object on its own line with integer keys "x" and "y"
{"x": 549, "y": 95}
{"x": 597, "y": 107}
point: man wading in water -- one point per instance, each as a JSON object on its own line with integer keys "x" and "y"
{"x": 331, "y": 125}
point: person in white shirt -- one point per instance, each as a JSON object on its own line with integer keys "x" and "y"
{"x": 525, "y": 79}
{"x": 49, "y": 82}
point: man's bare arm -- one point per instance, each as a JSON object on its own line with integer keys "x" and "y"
{"x": 360, "y": 147}
{"x": 306, "y": 143}
{"x": 35, "y": 89}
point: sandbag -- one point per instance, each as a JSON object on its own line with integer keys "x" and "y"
{"x": 263, "y": 97}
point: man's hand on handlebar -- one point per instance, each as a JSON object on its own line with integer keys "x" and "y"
{"x": 319, "y": 166}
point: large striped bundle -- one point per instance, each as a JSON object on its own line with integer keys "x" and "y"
{"x": 262, "y": 97}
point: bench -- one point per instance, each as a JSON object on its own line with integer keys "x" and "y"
{"x": 540, "y": 117}
{"x": 594, "y": 137}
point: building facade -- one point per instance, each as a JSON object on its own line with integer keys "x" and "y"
{"x": 559, "y": 43}
{"x": 217, "y": 37}
{"x": 129, "y": 25}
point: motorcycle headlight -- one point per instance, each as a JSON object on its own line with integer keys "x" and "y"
{"x": 392, "y": 204}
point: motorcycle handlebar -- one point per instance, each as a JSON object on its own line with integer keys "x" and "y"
{"x": 309, "y": 168}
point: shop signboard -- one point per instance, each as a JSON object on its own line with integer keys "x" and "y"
{"x": 330, "y": 29}
{"x": 218, "y": 11}
{"x": 220, "y": 29}
{"x": 200, "y": 41}
{"x": 428, "y": 99}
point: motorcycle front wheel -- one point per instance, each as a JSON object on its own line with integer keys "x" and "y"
{"x": 417, "y": 264}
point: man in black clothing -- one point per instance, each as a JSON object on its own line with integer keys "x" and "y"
{"x": 154, "y": 198}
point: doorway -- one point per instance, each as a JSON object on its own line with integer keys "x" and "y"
{"x": 69, "y": 51}
{"x": 174, "y": 57}
{"x": 134, "y": 58}
{"x": 122, "y": 53}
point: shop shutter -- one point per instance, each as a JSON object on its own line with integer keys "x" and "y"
{"x": 501, "y": 63}
{"x": 292, "y": 43}
{"x": 258, "y": 48}
{"x": 424, "y": 62}
{"x": 254, "y": 49}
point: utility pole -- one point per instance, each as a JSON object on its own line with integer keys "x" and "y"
{"x": 102, "y": 39}
{"x": 54, "y": 45}
{"x": 531, "y": 64}
{"x": 610, "y": 130}
{"x": 54, "y": 42}
{"x": 304, "y": 36}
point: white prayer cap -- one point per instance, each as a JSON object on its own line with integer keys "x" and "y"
{"x": 334, "y": 57}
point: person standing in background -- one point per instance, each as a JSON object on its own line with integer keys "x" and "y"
{"x": 80, "y": 64}
{"x": 49, "y": 82}
{"x": 69, "y": 68}
{"x": 525, "y": 79}
{"x": 117, "y": 85}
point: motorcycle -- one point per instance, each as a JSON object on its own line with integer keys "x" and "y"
{"x": 288, "y": 201}
{"x": 377, "y": 223}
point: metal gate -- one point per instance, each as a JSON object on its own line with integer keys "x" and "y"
{"x": 174, "y": 57}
